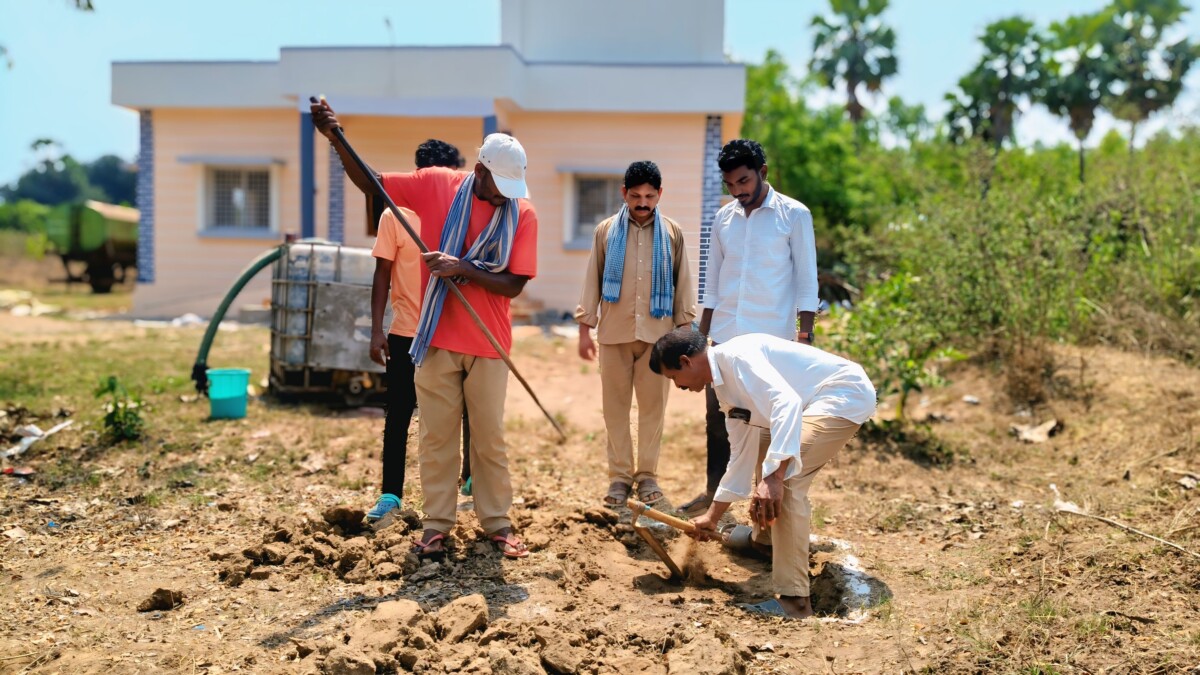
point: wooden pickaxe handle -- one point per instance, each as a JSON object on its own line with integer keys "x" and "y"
{"x": 640, "y": 509}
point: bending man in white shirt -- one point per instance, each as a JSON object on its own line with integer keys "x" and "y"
{"x": 762, "y": 278}
{"x": 812, "y": 402}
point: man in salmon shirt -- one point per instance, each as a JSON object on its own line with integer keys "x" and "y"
{"x": 398, "y": 279}
{"x": 482, "y": 236}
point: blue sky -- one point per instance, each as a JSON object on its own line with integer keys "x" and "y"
{"x": 59, "y": 85}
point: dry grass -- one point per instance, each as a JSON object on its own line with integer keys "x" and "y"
{"x": 984, "y": 576}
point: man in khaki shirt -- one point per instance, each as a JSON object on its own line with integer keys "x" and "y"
{"x": 638, "y": 288}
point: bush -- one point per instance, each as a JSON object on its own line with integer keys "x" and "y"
{"x": 894, "y": 337}
{"x": 23, "y": 215}
{"x": 123, "y": 412}
{"x": 1021, "y": 254}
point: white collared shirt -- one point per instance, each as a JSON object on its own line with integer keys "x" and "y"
{"x": 761, "y": 270}
{"x": 780, "y": 382}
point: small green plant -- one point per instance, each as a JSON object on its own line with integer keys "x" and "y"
{"x": 123, "y": 412}
{"x": 36, "y": 245}
{"x": 886, "y": 611}
{"x": 820, "y": 515}
{"x": 902, "y": 514}
{"x": 1042, "y": 610}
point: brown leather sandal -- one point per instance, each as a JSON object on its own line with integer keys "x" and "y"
{"x": 618, "y": 494}
{"x": 648, "y": 491}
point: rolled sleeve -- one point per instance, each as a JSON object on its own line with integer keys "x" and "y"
{"x": 712, "y": 268}
{"x": 769, "y": 391}
{"x": 386, "y": 241}
{"x": 685, "y": 304}
{"x": 804, "y": 261}
{"x": 588, "y": 310}
{"x": 738, "y": 482}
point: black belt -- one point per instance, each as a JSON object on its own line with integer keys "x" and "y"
{"x": 739, "y": 414}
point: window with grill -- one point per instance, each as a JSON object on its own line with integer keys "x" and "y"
{"x": 596, "y": 198}
{"x": 239, "y": 199}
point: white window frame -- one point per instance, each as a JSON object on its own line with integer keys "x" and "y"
{"x": 204, "y": 218}
{"x": 571, "y": 240}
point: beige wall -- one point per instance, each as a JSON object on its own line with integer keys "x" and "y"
{"x": 192, "y": 274}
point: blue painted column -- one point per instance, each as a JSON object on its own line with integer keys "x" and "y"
{"x": 337, "y": 198}
{"x": 308, "y": 185}
{"x": 489, "y": 125}
{"x": 145, "y": 197}
{"x": 710, "y": 195}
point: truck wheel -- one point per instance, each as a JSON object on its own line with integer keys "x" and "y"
{"x": 101, "y": 278}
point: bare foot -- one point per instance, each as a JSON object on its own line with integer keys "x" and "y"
{"x": 796, "y": 606}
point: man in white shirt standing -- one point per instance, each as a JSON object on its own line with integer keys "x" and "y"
{"x": 813, "y": 403}
{"x": 762, "y": 275}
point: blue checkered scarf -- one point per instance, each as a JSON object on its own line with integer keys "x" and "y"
{"x": 662, "y": 286}
{"x": 490, "y": 253}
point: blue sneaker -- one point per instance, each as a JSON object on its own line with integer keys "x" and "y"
{"x": 467, "y": 486}
{"x": 387, "y": 502}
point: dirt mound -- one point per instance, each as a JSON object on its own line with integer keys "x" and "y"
{"x": 336, "y": 542}
{"x": 433, "y": 622}
{"x": 398, "y": 636}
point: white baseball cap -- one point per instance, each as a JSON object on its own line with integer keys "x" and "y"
{"x": 505, "y": 158}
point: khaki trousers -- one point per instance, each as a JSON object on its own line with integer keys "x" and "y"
{"x": 821, "y": 438}
{"x": 444, "y": 380}
{"x": 624, "y": 370}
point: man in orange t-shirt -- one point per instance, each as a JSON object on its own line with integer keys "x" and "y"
{"x": 457, "y": 362}
{"x": 398, "y": 279}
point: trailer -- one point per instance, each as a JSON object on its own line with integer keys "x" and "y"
{"x": 99, "y": 239}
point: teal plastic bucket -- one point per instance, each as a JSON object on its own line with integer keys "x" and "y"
{"x": 227, "y": 392}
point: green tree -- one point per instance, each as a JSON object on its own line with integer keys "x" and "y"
{"x": 115, "y": 177}
{"x": 906, "y": 122}
{"x": 853, "y": 48}
{"x": 1079, "y": 74}
{"x": 57, "y": 179}
{"x": 1149, "y": 68}
{"x": 1010, "y": 73}
{"x": 23, "y": 216}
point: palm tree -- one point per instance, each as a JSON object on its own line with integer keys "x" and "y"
{"x": 1149, "y": 70}
{"x": 1009, "y": 73}
{"x": 1079, "y": 73}
{"x": 853, "y": 47}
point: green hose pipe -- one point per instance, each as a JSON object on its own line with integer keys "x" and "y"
{"x": 200, "y": 368}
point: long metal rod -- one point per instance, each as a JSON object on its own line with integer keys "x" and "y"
{"x": 341, "y": 136}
